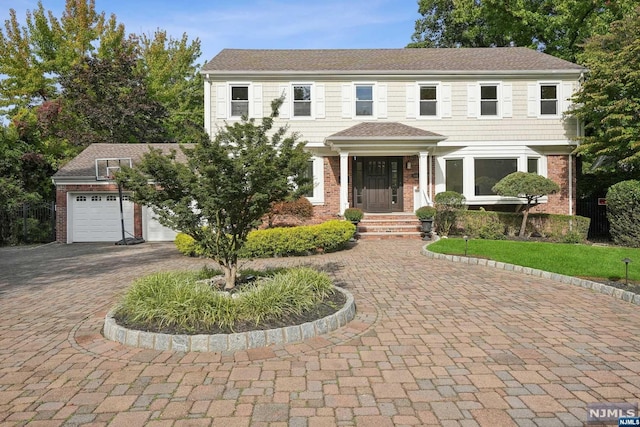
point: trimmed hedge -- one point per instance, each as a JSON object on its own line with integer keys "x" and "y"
{"x": 623, "y": 212}
{"x": 498, "y": 225}
{"x": 285, "y": 241}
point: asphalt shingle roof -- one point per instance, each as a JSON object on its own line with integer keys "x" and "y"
{"x": 386, "y": 130}
{"x": 84, "y": 165}
{"x": 390, "y": 60}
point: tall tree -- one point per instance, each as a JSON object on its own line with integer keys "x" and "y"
{"x": 609, "y": 100}
{"x": 227, "y": 186}
{"x": 36, "y": 54}
{"x": 173, "y": 79}
{"x": 104, "y": 100}
{"x": 557, "y": 27}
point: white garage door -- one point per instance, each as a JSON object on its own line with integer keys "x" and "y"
{"x": 153, "y": 230}
{"x": 96, "y": 217}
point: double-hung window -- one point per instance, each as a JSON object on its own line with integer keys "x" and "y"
{"x": 301, "y": 100}
{"x": 489, "y": 100}
{"x": 239, "y": 100}
{"x": 364, "y": 100}
{"x": 548, "y": 99}
{"x": 428, "y": 100}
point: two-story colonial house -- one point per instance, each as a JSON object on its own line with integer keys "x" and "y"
{"x": 388, "y": 129}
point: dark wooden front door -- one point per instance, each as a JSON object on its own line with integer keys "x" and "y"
{"x": 378, "y": 184}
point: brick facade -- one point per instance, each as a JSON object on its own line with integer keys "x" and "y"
{"x": 557, "y": 167}
{"x": 558, "y": 171}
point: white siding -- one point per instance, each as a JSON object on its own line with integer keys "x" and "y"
{"x": 334, "y": 98}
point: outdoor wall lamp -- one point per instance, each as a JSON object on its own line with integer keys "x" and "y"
{"x": 408, "y": 165}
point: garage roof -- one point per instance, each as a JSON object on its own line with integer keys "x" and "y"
{"x": 83, "y": 166}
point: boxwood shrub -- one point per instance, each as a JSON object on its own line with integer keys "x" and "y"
{"x": 497, "y": 225}
{"x": 285, "y": 241}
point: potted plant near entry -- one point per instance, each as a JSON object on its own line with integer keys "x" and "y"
{"x": 426, "y": 214}
{"x": 355, "y": 216}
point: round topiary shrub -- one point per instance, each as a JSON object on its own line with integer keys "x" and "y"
{"x": 623, "y": 212}
{"x": 448, "y": 206}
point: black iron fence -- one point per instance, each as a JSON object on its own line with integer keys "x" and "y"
{"x": 595, "y": 209}
{"x": 29, "y": 223}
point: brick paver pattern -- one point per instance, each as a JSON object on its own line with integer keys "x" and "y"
{"x": 433, "y": 343}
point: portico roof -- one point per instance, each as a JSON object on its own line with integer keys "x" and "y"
{"x": 383, "y": 138}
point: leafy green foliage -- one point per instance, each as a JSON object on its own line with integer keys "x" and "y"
{"x": 106, "y": 101}
{"x": 448, "y": 206}
{"x": 178, "y": 301}
{"x": 528, "y": 186}
{"x": 353, "y": 214}
{"x": 229, "y": 184}
{"x": 608, "y": 102}
{"x": 283, "y": 241}
{"x": 623, "y": 212}
{"x": 569, "y": 259}
{"x": 426, "y": 212}
{"x": 288, "y": 241}
{"x": 173, "y": 79}
{"x": 557, "y": 27}
{"x": 36, "y": 54}
{"x": 496, "y": 225}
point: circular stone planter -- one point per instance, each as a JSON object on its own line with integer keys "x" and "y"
{"x": 230, "y": 342}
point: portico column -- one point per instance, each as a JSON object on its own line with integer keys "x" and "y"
{"x": 344, "y": 181}
{"x": 423, "y": 178}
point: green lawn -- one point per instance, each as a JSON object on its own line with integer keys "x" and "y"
{"x": 569, "y": 259}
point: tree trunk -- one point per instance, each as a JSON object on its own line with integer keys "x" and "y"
{"x": 525, "y": 216}
{"x": 230, "y": 274}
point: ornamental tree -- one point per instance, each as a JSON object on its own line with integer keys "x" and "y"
{"x": 528, "y": 186}
{"x": 226, "y": 186}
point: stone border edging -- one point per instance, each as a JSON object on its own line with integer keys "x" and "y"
{"x": 230, "y": 342}
{"x": 570, "y": 280}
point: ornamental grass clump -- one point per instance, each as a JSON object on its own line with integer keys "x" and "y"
{"x": 181, "y": 302}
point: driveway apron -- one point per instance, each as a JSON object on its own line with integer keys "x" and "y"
{"x": 433, "y": 343}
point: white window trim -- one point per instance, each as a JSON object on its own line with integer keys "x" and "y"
{"x": 374, "y": 94}
{"x": 313, "y": 101}
{"x": 318, "y": 181}
{"x": 229, "y": 100}
{"x": 558, "y": 86}
{"x": 468, "y": 174}
{"x": 500, "y": 106}
{"x": 438, "y": 100}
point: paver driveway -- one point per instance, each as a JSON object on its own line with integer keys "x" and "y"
{"x": 434, "y": 342}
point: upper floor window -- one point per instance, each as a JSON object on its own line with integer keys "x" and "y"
{"x": 548, "y": 99}
{"x": 428, "y": 100}
{"x": 302, "y": 100}
{"x": 489, "y": 100}
{"x": 239, "y": 100}
{"x": 364, "y": 100}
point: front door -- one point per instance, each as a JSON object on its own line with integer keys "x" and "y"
{"x": 378, "y": 184}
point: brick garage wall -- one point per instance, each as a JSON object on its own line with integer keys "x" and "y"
{"x": 558, "y": 171}
{"x": 62, "y": 208}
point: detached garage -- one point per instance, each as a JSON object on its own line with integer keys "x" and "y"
{"x": 88, "y": 204}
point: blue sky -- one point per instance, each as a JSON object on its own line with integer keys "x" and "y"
{"x": 258, "y": 24}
